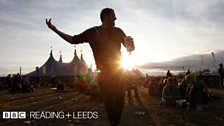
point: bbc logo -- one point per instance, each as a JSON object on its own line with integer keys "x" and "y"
{"x": 14, "y": 115}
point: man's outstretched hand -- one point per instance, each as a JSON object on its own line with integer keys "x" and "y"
{"x": 63, "y": 35}
{"x": 48, "y": 22}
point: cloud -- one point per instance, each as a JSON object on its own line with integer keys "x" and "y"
{"x": 193, "y": 62}
{"x": 162, "y": 30}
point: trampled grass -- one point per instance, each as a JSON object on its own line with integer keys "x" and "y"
{"x": 46, "y": 99}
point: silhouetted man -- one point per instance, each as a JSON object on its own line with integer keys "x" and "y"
{"x": 168, "y": 74}
{"x": 221, "y": 72}
{"x": 105, "y": 41}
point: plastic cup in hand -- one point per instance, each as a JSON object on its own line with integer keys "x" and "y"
{"x": 129, "y": 43}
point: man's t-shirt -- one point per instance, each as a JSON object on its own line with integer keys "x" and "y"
{"x": 105, "y": 44}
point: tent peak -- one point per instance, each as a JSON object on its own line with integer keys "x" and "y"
{"x": 75, "y": 53}
{"x": 51, "y": 53}
{"x": 81, "y": 56}
{"x": 60, "y": 59}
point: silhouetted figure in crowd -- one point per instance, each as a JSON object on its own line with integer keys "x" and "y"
{"x": 188, "y": 72}
{"x": 105, "y": 41}
{"x": 183, "y": 86}
{"x": 221, "y": 73}
{"x": 132, "y": 85}
{"x": 162, "y": 83}
{"x": 146, "y": 81}
{"x": 8, "y": 81}
{"x": 60, "y": 87}
{"x": 168, "y": 74}
{"x": 53, "y": 81}
{"x": 153, "y": 87}
{"x": 25, "y": 85}
{"x": 16, "y": 84}
{"x": 198, "y": 94}
{"x": 37, "y": 84}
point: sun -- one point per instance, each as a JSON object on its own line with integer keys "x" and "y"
{"x": 127, "y": 62}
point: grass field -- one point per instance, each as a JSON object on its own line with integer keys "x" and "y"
{"x": 46, "y": 99}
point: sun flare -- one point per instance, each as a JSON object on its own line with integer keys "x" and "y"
{"x": 127, "y": 62}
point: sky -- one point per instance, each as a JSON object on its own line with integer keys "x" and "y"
{"x": 162, "y": 29}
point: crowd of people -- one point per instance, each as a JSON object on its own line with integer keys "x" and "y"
{"x": 17, "y": 84}
{"x": 186, "y": 91}
{"x": 190, "y": 88}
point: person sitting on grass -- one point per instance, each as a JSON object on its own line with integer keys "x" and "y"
{"x": 146, "y": 81}
{"x": 170, "y": 93}
{"x": 153, "y": 87}
{"x": 198, "y": 94}
{"x": 161, "y": 85}
{"x": 183, "y": 86}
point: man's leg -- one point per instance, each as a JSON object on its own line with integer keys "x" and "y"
{"x": 113, "y": 91}
{"x": 114, "y": 106}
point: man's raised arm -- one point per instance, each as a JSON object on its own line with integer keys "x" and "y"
{"x": 63, "y": 35}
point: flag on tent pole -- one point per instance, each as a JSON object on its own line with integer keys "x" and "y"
{"x": 202, "y": 60}
{"x": 44, "y": 71}
{"x": 213, "y": 55}
{"x": 91, "y": 66}
{"x": 83, "y": 68}
{"x": 20, "y": 70}
{"x": 214, "y": 60}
